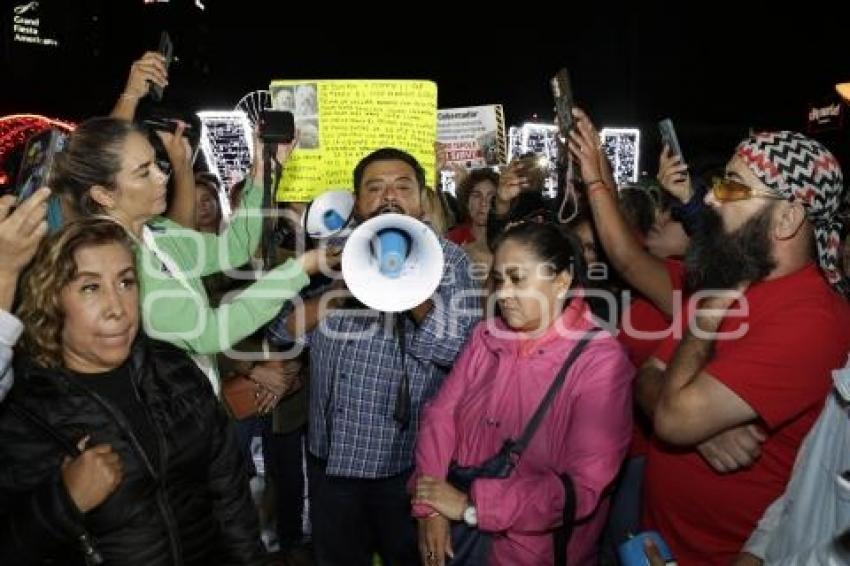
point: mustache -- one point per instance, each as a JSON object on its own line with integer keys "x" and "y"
{"x": 388, "y": 208}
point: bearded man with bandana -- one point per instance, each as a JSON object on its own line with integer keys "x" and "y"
{"x": 761, "y": 323}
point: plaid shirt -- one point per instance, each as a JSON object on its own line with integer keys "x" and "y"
{"x": 356, "y": 370}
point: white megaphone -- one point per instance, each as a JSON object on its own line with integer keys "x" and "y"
{"x": 392, "y": 263}
{"x": 328, "y": 214}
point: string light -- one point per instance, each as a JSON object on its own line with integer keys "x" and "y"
{"x": 226, "y": 140}
{"x": 69, "y": 126}
{"x": 622, "y": 147}
{"x": 540, "y": 139}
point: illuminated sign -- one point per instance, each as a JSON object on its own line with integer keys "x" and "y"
{"x": 26, "y": 26}
{"x": 227, "y": 143}
{"x": 825, "y": 117}
{"x": 622, "y": 147}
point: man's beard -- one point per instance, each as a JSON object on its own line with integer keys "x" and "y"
{"x": 717, "y": 260}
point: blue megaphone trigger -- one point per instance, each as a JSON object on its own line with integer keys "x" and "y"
{"x": 393, "y": 249}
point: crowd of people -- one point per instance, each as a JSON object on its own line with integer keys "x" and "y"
{"x": 673, "y": 358}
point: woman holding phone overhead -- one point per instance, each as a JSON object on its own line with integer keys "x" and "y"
{"x": 148, "y": 72}
{"x": 108, "y": 168}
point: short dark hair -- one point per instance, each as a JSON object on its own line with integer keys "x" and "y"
{"x": 637, "y": 206}
{"x": 388, "y": 154}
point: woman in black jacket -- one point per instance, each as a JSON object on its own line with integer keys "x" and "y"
{"x": 163, "y": 482}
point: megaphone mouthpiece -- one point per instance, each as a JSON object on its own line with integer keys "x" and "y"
{"x": 393, "y": 247}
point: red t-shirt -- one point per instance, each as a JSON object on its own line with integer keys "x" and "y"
{"x": 799, "y": 331}
{"x": 461, "y": 234}
{"x": 642, "y": 318}
{"x": 642, "y": 330}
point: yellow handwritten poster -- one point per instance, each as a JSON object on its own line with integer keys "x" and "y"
{"x": 341, "y": 121}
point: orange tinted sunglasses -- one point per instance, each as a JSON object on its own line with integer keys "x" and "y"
{"x": 727, "y": 190}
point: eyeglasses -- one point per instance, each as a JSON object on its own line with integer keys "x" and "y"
{"x": 727, "y": 190}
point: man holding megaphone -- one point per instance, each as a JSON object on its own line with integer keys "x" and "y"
{"x": 372, "y": 370}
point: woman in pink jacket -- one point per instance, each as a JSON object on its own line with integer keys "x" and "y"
{"x": 496, "y": 385}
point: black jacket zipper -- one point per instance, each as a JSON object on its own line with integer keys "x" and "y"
{"x": 159, "y": 478}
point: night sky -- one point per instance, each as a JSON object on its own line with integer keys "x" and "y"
{"x": 716, "y": 74}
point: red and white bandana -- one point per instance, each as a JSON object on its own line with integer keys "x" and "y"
{"x": 802, "y": 170}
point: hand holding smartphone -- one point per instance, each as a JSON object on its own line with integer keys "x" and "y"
{"x": 37, "y": 163}
{"x": 672, "y": 170}
{"x": 669, "y": 138}
{"x": 562, "y": 92}
{"x": 167, "y": 125}
{"x": 166, "y": 49}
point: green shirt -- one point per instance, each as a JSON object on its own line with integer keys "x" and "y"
{"x": 177, "y": 310}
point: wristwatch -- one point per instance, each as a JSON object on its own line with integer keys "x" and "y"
{"x": 470, "y": 516}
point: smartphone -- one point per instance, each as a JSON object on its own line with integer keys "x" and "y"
{"x": 669, "y": 138}
{"x": 534, "y": 168}
{"x": 164, "y": 119}
{"x": 562, "y": 91}
{"x": 277, "y": 126}
{"x": 37, "y": 163}
{"x": 166, "y": 49}
{"x": 167, "y": 125}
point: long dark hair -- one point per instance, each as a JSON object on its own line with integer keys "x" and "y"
{"x": 464, "y": 190}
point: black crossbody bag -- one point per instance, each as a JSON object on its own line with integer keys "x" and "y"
{"x": 472, "y": 546}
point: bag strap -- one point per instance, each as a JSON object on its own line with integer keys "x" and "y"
{"x": 521, "y": 443}
{"x": 563, "y": 534}
{"x": 401, "y": 412}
